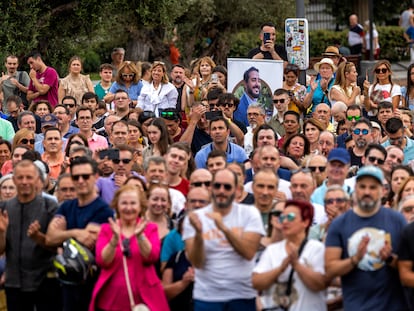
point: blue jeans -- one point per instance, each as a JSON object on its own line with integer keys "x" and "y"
{"x": 231, "y": 305}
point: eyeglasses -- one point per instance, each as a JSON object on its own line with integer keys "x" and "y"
{"x": 194, "y": 201}
{"x": 69, "y": 105}
{"x": 275, "y": 213}
{"x": 282, "y": 101}
{"x": 290, "y": 217}
{"x": 252, "y": 114}
{"x": 373, "y": 159}
{"x": 201, "y": 183}
{"x": 218, "y": 185}
{"x": 356, "y": 118}
{"x": 359, "y": 131}
{"x": 126, "y": 250}
{"x": 124, "y": 161}
{"x": 71, "y": 159}
{"x": 230, "y": 105}
{"x": 381, "y": 70}
{"x": 25, "y": 141}
{"x": 408, "y": 209}
{"x": 335, "y": 200}
{"x": 84, "y": 176}
{"x": 128, "y": 75}
{"x": 319, "y": 168}
{"x": 396, "y": 141}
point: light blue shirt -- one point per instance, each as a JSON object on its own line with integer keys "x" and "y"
{"x": 408, "y": 150}
{"x": 234, "y": 153}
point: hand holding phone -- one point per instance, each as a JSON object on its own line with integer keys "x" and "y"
{"x": 266, "y": 37}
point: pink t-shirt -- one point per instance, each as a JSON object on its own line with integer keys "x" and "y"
{"x": 51, "y": 78}
{"x": 97, "y": 142}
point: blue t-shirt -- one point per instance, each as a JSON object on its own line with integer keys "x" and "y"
{"x": 79, "y": 217}
{"x": 372, "y": 285}
{"x": 234, "y": 153}
{"x": 173, "y": 243}
{"x": 133, "y": 91}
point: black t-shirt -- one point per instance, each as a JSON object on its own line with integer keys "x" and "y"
{"x": 355, "y": 160}
{"x": 279, "y": 49}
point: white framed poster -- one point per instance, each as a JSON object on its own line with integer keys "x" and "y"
{"x": 270, "y": 73}
{"x": 297, "y": 42}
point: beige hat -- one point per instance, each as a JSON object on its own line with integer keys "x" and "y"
{"x": 375, "y": 125}
{"x": 331, "y": 51}
{"x": 327, "y": 61}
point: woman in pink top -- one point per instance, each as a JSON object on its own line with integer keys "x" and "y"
{"x": 141, "y": 246}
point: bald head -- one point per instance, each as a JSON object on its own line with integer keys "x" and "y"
{"x": 199, "y": 177}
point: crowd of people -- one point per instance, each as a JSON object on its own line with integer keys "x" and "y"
{"x": 158, "y": 189}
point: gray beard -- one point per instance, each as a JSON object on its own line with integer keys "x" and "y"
{"x": 227, "y": 203}
{"x": 367, "y": 206}
{"x": 361, "y": 143}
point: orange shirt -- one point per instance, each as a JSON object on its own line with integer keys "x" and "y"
{"x": 54, "y": 167}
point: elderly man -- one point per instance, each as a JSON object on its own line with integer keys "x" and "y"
{"x": 23, "y": 223}
{"x": 327, "y": 141}
{"x": 323, "y": 113}
{"x": 217, "y": 240}
{"x": 361, "y": 245}
{"x": 256, "y": 117}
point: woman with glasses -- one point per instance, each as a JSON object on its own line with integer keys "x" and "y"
{"x": 345, "y": 88}
{"x": 159, "y": 94}
{"x": 132, "y": 237}
{"x": 290, "y": 273}
{"x": 127, "y": 79}
{"x": 24, "y": 137}
{"x": 296, "y": 90}
{"x": 383, "y": 88}
{"x": 75, "y": 84}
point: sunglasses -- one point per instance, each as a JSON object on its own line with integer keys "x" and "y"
{"x": 335, "y": 200}
{"x": 230, "y": 105}
{"x": 126, "y": 250}
{"x": 319, "y": 168}
{"x": 381, "y": 70}
{"x": 201, "y": 183}
{"x": 290, "y": 217}
{"x": 282, "y": 101}
{"x": 213, "y": 106}
{"x": 356, "y": 118}
{"x": 359, "y": 131}
{"x": 169, "y": 115}
{"x": 25, "y": 141}
{"x": 124, "y": 161}
{"x": 408, "y": 209}
{"x": 148, "y": 114}
{"x": 69, "y": 105}
{"x": 218, "y": 185}
{"x": 275, "y": 213}
{"x": 375, "y": 159}
{"x": 128, "y": 75}
{"x": 84, "y": 176}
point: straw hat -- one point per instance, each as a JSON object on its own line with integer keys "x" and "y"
{"x": 327, "y": 61}
{"x": 331, "y": 51}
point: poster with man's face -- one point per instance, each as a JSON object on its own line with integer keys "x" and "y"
{"x": 256, "y": 79}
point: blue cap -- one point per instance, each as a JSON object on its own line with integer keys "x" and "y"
{"x": 49, "y": 120}
{"x": 339, "y": 154}
{"x": 370, "y": 171}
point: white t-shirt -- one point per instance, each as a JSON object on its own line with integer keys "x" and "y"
{"x": 284, "y": 186}
{"x": 226, "y": 275}
{"x": 387, "y": 93}
{"x": 302, "y": 298}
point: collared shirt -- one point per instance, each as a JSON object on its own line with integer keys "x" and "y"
{"x": 97, "y": 142}
{"x": 56, "y": 167}
{"x": 234, "y": 153}
{"x": 71, "y": 130}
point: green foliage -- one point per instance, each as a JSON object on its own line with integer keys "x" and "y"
{"x": 320, "y": 39}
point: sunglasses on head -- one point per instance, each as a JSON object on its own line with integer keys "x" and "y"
{"x": 335, "y": 200}
{"x": 290, "y": 217}
{"x": 218, "y": 185}
{"x": 356, "y": 118}
{"x": 84, "y": 176}
{"x": 319, "y": 168}
{"x": 25, "y": 141}
{"x": 124, "y": 161}
{"x": 201, "y": 183}
{"x": 381, "y": 70}
{"x": 375, "y": 159}
{"x": 359, "y": 131}
{"x": 276, "y": 101}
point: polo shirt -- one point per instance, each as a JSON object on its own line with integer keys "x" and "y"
{"x": 234, "y": 153}
{"x": 97, "y": 142}
{"x": 107, "y": 188}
